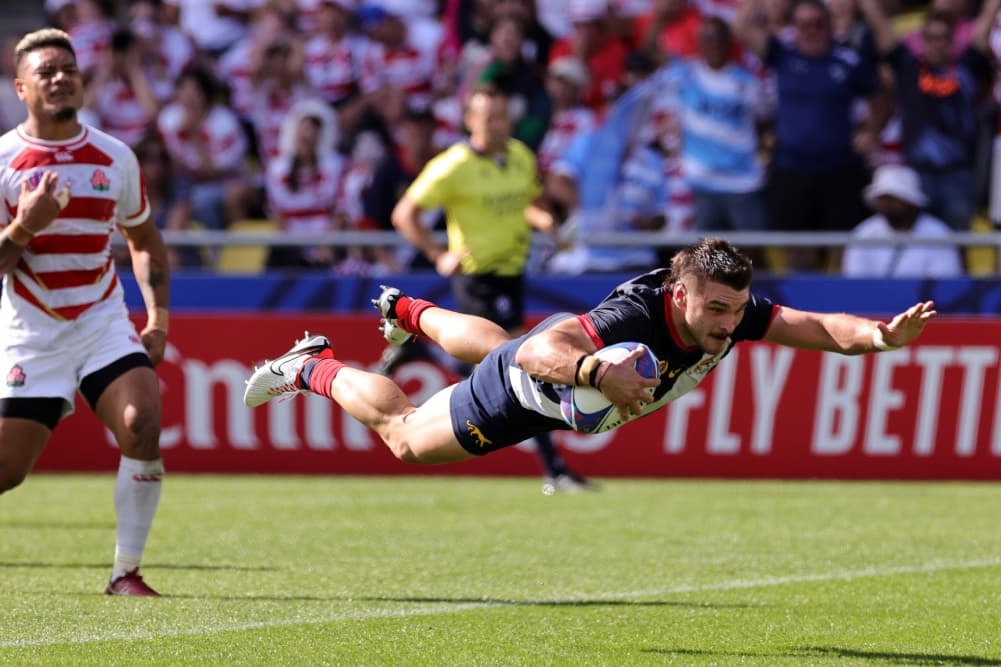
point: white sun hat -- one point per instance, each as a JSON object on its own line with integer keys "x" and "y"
{"x": 896, "y": 180}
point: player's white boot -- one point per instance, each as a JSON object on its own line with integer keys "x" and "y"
{"x": 388, "y": 325}
{"x": 278, "y": 377}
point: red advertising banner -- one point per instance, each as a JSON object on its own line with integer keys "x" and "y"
{"x": 929, "y": 411}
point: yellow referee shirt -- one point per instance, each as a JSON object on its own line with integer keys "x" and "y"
{"x": 484, "y": 200}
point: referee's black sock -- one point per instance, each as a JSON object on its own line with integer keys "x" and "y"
{"x": 551, "y": 459}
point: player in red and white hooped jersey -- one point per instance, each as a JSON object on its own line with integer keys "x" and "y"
{"x": 64, "y": 326}
{"x": 333, "y": 55}
{"x": 91, "y": 34}
{"x": 394, "y": 62}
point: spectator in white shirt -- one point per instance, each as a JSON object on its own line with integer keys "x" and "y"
{"x": 566, "y": 79}
{"x": 213, "y": 25}
{"x": 122, "y": 94}
{"x": 896, "y": 196}
{"x": 303, "y": 183}
{"x": 208, "y": 147}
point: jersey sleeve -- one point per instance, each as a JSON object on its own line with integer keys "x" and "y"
{"x": 757, "y": 317}
{"x": 519, "y": 153}
{"x": 431, "y": 187}
{"x": 630, "y": 313}
{"x": 535, "y": 178}
{"x": 133, "y": 205}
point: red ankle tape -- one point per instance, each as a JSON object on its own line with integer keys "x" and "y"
{"x": 408, "y": 313}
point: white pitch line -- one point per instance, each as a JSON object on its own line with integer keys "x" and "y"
{"x": 764, "y": 582}
{"x": 845, "y": 575}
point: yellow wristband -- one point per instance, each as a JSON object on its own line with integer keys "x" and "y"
{"x": 157, "y": 318}
{"x": 587, "y": 368}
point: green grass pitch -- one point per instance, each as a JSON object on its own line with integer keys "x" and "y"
{"x": 485, "y": 571}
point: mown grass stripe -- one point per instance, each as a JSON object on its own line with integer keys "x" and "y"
{"x": 764, "y": 582}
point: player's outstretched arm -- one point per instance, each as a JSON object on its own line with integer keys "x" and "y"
{"x": 848, "y": 334}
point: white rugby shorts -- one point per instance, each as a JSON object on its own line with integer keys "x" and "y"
{"x": 48, "y": 359}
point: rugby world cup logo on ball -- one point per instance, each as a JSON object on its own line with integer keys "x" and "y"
{"x": 588, "y": 410}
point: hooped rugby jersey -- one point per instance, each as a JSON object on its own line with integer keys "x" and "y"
{"x": 639, "y": 310}
{"x": 67, "y": 267}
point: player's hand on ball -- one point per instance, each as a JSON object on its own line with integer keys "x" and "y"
{"x": 155, "y": 342}
{"x": 908, "y": 325}
{"x": 626, "y": 388}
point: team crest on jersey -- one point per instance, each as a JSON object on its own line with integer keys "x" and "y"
{"x": 34, "y": 180}
{"x": 99, "y": 180}
{"x": 16, "y": 376}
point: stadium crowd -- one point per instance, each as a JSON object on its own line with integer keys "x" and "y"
{"x": 671, "y": 115}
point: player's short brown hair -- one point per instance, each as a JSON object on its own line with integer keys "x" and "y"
{"x": 712, "y": 259}
{"x": 41, "y": 39}
{"x": 487, "y": 89}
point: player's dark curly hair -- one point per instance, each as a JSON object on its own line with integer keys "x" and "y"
{"x": 712, "y": 259}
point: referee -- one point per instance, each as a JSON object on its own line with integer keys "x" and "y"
{"x": 487, "y": 186}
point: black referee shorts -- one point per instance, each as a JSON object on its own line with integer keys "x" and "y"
{"x": 500, "y": 299}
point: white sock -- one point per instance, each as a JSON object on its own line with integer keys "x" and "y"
{"x": 137, "y": 493}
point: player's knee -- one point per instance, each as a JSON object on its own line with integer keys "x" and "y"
{"x": 141, "y": 429}
{"x": 11, "y": 477}
{"x": 403, "y": 451}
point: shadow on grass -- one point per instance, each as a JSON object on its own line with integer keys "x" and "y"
{"x": 157, "y": 566}
{"x": 899, "y": 658}
{"x": 59, "y": 525}
{"x": 892, "y": 657}
{"x": 557, "y": 603}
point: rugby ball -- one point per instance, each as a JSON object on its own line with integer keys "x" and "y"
{"x": 587, "y": 410}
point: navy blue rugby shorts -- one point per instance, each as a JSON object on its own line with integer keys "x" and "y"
{"x": 486, "y": 414}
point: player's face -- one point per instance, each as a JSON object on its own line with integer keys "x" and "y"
{"x": 488, "y": 121}
{"x": 50, "y": 84}
{"x": 712, "y": 311}
{"x": 813, "y": 30}
{"x": 936, "y": 37}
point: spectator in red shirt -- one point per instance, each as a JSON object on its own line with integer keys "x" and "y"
{"x": 592, "y": 43}
{"x": 669, "y": 30}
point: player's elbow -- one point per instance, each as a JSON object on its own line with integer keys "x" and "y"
{"x": 528, "y": 352}
{"x": 403, "y": 214}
